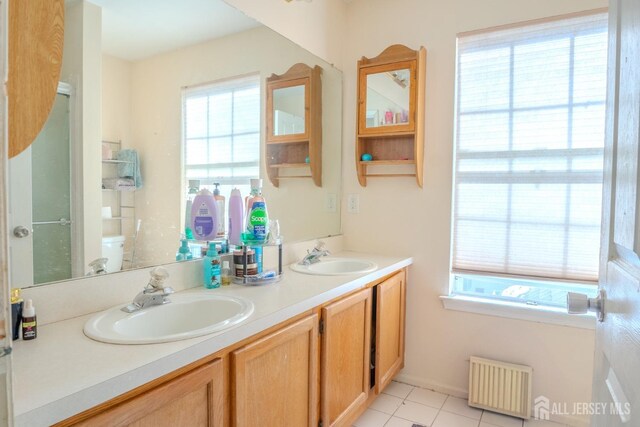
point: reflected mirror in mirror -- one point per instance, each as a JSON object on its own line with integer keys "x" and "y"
{"x": 388, "y": 98}
{"x": 289, "y": 110}
{"x": 143, "y": 110}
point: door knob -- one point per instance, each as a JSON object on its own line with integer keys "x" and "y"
{"x": 21, "y": 231}
{"x": 580, "y": 304}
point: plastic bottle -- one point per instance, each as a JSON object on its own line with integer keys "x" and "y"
{"x": 16, "y": 313}
{"x": 211, "y": 267}
{"x": 220, "y": 201}
{"x": 204, "y": 216}
{"x": 236, "y": 217}
{"x": 225, "y": 273}
{"x": 257, "y": 220}
{"x": 258, "y": 251}
{"x": 256, "y": 184}
{"x": 194, "y": 185}
{"x": 184, "y": 252}
{"x": 29, "y": 321}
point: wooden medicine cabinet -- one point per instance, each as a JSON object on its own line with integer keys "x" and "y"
{"x": 294, "y": 125}
{"x": 391, "y": 89}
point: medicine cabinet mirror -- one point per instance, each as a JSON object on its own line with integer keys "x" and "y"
{"x": 391, "y": 98}
{"x": 289, "y": 110}
{"x": 389, "y": 91}
{"x": 294, "y": 125}
{"x": 125, "y": 81}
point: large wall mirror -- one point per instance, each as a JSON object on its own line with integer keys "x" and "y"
{"x": 155, "y": 96}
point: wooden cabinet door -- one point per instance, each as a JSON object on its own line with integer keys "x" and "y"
{"x": 345, "y": 357}
{"x": 275, "y": 379}
{"x": 36, "y": 36}
{"x": 390, "y": 313}
{"x": 193, "y": 399}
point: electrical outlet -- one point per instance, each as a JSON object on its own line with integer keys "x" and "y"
{"x": 331, "y": 202}
{"x": 353, "y": 203}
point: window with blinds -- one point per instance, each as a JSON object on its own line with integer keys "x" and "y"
{"x": 222, "y": 133}
{"x": 530, "y": 115}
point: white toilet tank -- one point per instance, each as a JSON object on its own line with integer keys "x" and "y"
{"x": 113, "y": 250}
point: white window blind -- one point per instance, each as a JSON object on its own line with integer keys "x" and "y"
{"x": 222, "y": 132}
{"x": 530, "y": 112}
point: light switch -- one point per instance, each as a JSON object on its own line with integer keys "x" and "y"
{"x": 331, "y": 202}
{"x": 353, "y": 203}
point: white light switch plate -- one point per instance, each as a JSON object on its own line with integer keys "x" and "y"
{"x": 353, "y": 203}
{"x": 331, "y": 202}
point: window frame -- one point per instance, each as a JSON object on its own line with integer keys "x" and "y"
{"x": 459, "y": 300}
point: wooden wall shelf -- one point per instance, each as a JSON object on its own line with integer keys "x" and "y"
{"x": 289, "y": 165}
{"x": 390, "y": 120}
{"x": 286, "y": 149}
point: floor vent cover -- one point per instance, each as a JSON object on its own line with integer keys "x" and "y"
{"x": 500, "y": 387}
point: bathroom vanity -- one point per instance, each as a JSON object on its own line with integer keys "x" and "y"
{"x": 315, "y": 349}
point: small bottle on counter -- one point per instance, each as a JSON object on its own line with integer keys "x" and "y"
{"x": 226, "y": 273}
{"x": 184, "y": 253}
{"x": 211, "y": 267}
{"x": 16, "y": 313}
{"x": 258, "y": 252}
{"x": 29, "y": 322}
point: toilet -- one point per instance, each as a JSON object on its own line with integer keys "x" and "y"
{"x": 113, "y": 250}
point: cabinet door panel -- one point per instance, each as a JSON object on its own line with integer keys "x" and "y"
{"x": 390, "y": 312}
{"x": 345, "y": 357}
{"x": 194, "y": 399}
{"x": 275, "y": 378}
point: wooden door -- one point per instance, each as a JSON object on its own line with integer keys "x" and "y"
{"x": 345, "y": 357}
{"x": 275, "y": 379}
{"x": 390, "y": 312}
{"x": 35, "y": 39}
{"x": 616, "y": 382}
{"x": 193, "y": 399}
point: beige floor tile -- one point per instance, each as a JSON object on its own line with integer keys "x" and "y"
{"x": 448, "y": 419}
{"x": 427, "y": 397}
{"x": 460, "y": 407}
{"x": 416, "y": 412}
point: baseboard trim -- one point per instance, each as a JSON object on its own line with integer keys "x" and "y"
{"x": 568, "y": 420}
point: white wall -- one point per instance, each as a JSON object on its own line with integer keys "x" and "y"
{"x": 81, "y": 67}
{"x": 116, "y": 126}
{"x": 439, "y": 342}
{"x": 318, "y": 26}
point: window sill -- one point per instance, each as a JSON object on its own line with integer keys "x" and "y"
{"x": 552, "y": 315}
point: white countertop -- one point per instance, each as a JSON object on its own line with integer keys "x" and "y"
{"x": 62, "y": 372}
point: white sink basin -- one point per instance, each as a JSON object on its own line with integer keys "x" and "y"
{"x": 186, "y": 316}
{"x": 336, "y": 267}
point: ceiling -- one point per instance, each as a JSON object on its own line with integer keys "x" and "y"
{"x": 137, "y": 29}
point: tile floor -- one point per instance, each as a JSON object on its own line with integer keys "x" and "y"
{"x": 403, "y": 405}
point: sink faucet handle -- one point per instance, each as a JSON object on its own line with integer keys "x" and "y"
{"x": 320, "y": 245}
{"x": 158, "y": 277}
{"x": 98, "y": 266}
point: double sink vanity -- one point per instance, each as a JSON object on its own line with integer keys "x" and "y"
{"x": 315, "y": 347}
{"x": 312, "y": 349}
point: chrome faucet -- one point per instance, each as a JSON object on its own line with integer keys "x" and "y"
{"x": 152, "y": 294}
{"x": 315, "y": 254}
{"x": 98, "y": 266}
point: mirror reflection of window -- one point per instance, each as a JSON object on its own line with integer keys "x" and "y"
{"x": 288, "y": 110}
{"x": 221, "y": 135}
{"x": 388, "y": 98}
